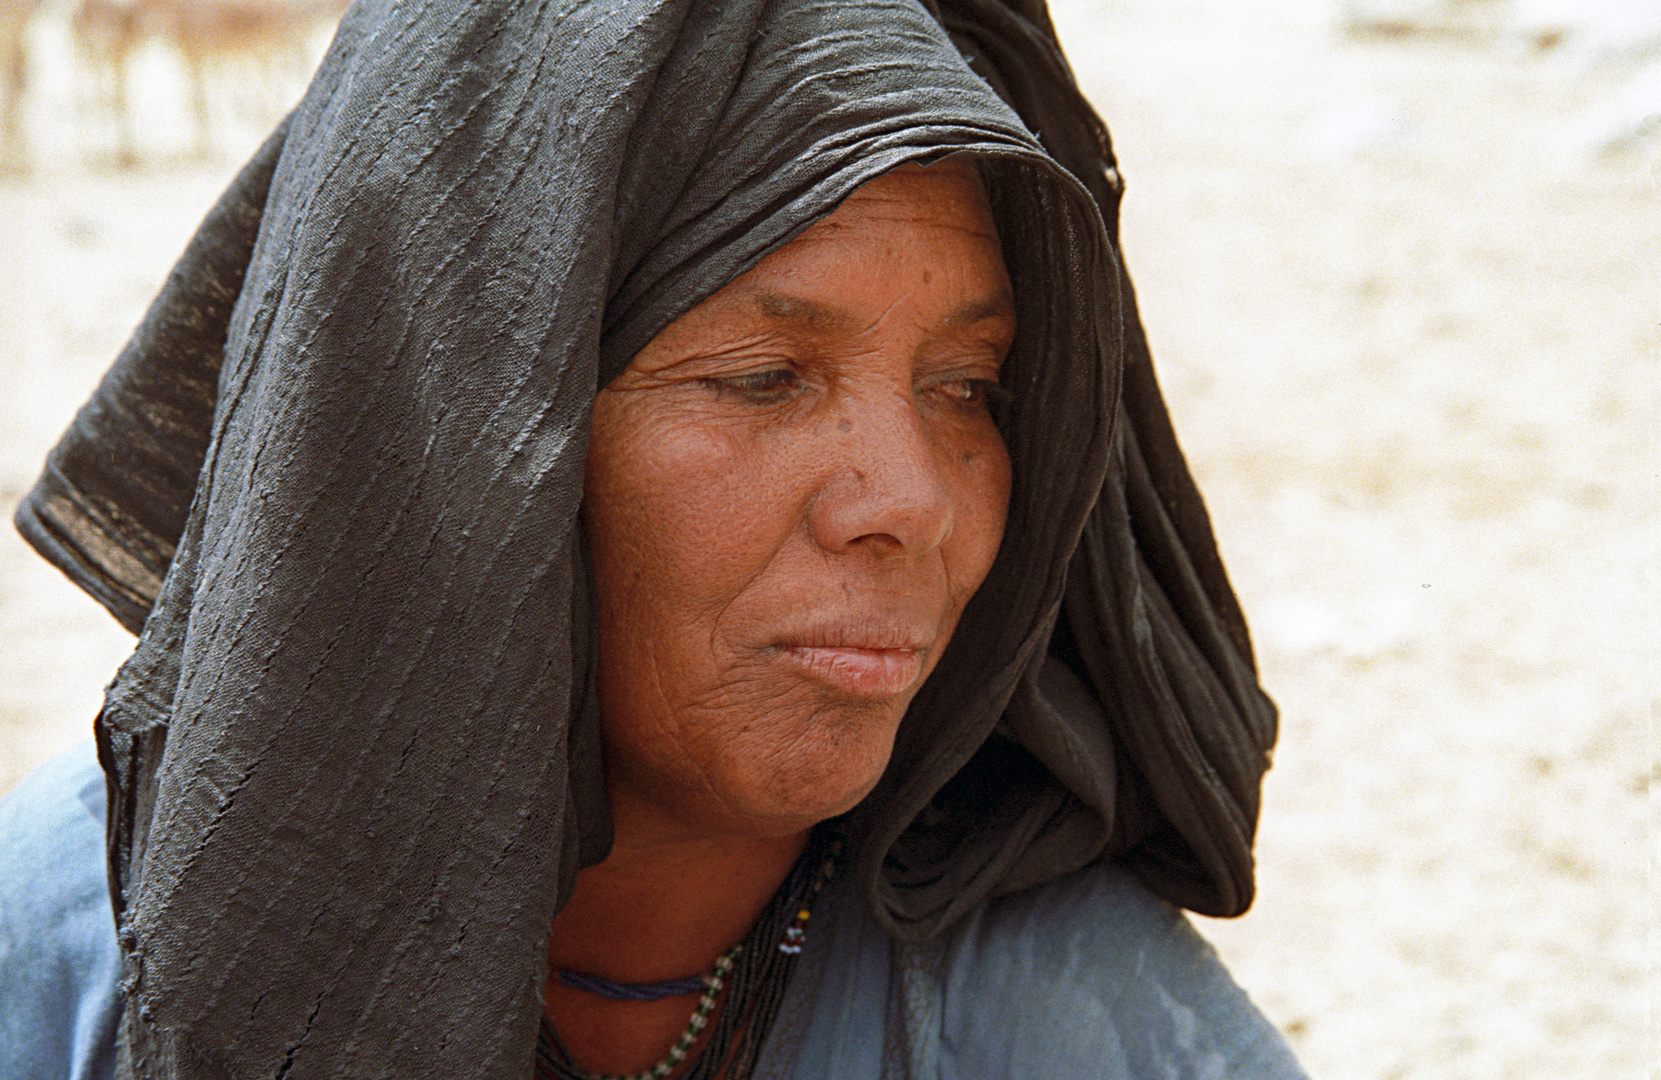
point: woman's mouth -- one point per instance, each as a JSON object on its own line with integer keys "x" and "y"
{"x": 858, "y": 672}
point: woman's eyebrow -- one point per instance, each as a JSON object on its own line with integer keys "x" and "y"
{"x": 810, "y": 314}
{"x": 816, "y": 315}
{"x": 999, "y": 305}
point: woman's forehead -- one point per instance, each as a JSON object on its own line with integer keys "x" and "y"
{"x": 947, "y": 192}
{"x": 912, "y": 220}
{"x": 913, "y": 244}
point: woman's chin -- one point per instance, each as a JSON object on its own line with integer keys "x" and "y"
{"x": 777, "y": 776}
{"x": 789, "y": 800}
{"x": 799, "y": 794}
{"x": 808, "y": 806}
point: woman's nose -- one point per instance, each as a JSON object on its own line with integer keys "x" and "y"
{"x": 885, "y": 488}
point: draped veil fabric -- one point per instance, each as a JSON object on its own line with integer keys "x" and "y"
{"x": 334, "y": 481}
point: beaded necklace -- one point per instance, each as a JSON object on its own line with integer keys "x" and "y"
{"x": 756, "y": 969}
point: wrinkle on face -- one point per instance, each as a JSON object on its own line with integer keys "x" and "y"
{"x": 806, "y": 449}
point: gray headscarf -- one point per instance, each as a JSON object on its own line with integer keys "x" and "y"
{"x": 334, "y": 479}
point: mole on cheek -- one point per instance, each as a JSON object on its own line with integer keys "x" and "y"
{"x": 844, "y": 425}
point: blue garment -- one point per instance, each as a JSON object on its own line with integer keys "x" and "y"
{"x": 1088, "y": 976}
{"x": 59, "y": 964}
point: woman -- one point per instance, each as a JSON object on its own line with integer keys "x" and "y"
{"x": 577, "y": 382}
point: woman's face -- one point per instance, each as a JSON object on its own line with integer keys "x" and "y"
{"x": 792, "y": 492}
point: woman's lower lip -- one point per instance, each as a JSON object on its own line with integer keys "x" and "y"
{"x": 860, "y": 672}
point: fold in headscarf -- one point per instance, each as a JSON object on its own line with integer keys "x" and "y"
{"x": 334, "y": 484}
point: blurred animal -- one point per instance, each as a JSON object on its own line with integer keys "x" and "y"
{"x": 15, "y": 16}
{"x": 212, "y": 37}
{"x": 106, "y": 33}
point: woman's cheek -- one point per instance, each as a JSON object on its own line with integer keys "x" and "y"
{"x": 984, "y": 503}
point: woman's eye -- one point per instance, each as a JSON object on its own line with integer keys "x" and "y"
{"x": 760, "y": 386}
{"x": 974, "y": 393}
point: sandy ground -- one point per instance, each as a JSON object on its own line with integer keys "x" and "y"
{"x": 1412, "y": 347}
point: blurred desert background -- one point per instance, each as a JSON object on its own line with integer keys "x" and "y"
{"x": 1398, "y": 262}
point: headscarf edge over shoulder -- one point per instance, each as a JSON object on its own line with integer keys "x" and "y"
{"x": 327, "y": 577}
{"x": 1149, "y": 643}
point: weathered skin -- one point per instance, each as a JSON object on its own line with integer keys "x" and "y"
{"x": 792, "y": 492}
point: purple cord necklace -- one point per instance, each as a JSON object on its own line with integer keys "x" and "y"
{"x": 691, "y": 984}
{"x": 756, "y": 967}
{"x": 616, "y": 991}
